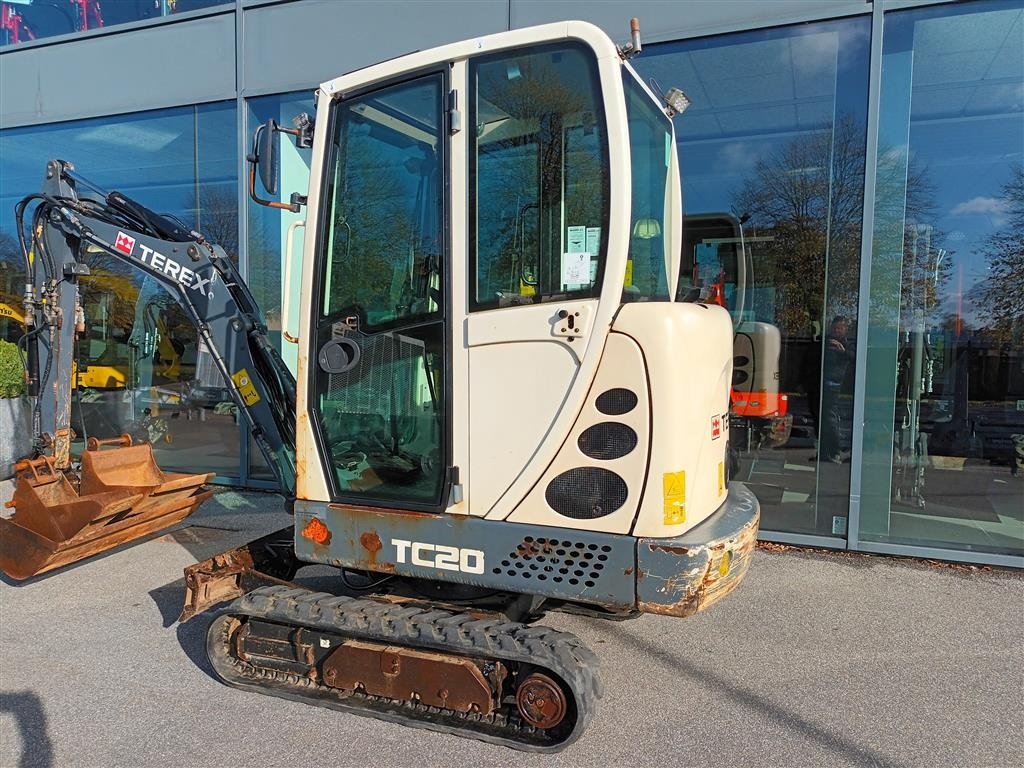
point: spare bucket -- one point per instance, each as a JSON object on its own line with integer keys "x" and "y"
{"x": 120, "y": 495}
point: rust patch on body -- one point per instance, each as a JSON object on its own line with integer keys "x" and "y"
{"x": 411, "y": 674}
{"x": 723, "y": 570}
{"x": 371, "y": 543}
{"x": 670, "y": 550}
{"x": 389, "y": 510}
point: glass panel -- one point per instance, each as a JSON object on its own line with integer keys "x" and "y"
{"x": 650, "y": 142}
{"x": 772, "y": 152}
{"x": 383, "y": 418}
{"x": 944, "y": 420}
{"x": 385, "y": 232}
{"x": 143, "y": 370}
{"x": 24, "y": 20}
{"x": 538, "y": 177}
{"x": 267, "y": 230}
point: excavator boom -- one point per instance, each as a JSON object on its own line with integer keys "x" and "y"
{"x": 119, "y": 493}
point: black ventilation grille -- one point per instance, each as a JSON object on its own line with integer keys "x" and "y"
{"x": 616, "y": 402}
{"x": 557, "y": 560}
{"x": 585, "y": 493}
{"x": 607, "y": 440}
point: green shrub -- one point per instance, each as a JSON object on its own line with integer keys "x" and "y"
{"x": 12, "y": 372}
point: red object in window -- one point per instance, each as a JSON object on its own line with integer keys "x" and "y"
{"x": 10, "y": 25}
{"x": 88, "y": 14}
{"x": 716, "y": 295}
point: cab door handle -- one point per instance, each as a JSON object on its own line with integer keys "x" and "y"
{"x": 570, "y": 323}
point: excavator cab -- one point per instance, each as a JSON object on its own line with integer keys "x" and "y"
{"x": 490, "y": 347}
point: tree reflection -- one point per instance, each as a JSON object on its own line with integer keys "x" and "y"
{"x": 1001, "y": 300}
{"x": 807, "y": 199}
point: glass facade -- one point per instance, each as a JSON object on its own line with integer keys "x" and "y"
{"x": 141, "y": 368}
{"x": 921, "y": 329}
{"x": 943, "y": 458}
{"x": 773, "y": 149}
{"x": 25, "y": 20}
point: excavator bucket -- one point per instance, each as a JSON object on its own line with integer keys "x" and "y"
{"x": 120, "y": 495}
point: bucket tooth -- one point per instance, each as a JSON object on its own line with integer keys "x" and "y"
{"x": 122, "y": 495}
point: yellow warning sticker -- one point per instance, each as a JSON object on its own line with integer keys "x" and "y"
{"x": 721, "y": 477}
{"x": 245, "y": 387}
{"x": 628, "y": 282}
{"x": 674, "y": 490}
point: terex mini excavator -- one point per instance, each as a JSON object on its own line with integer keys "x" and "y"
{"x": 487, "y": 424}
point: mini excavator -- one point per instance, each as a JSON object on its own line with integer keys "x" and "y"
{"x": 500, "y": 407}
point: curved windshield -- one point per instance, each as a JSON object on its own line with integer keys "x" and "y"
{"x": 650, "y": 151}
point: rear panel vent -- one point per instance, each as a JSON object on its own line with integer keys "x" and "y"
{"x": 616, "y": 402}
{"x": 555, "y": 560}
{"x": 607, "y": 440}
{"x": 585, "y": 493}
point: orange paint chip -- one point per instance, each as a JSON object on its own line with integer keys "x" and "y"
{"x": 317, "y": 531}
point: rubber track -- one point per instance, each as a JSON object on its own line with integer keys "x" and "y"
{"x": 560, "y": 653}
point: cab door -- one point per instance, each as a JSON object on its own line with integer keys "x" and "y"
{"x": 539, "y": 196}
{"x": 379, "y": 389}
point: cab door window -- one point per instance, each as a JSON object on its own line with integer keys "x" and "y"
{"x": 539, "y": 177}
{"x": 380, "y": 351}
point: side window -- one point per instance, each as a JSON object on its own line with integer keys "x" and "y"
{"x": 539, "y": 179}
{"x": 385, "y": 234}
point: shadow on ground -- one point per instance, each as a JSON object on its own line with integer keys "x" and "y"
{"x": 30, "y": 720}
{"x": 854, "y": 753}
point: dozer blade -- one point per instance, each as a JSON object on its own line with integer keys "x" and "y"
{"x": 122, "y": 495}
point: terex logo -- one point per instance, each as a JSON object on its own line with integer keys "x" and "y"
{"x": 126, "y": 244}
{"x": 439, "y": 556}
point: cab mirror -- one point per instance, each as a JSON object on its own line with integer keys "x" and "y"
{"x": 268, "y": 160}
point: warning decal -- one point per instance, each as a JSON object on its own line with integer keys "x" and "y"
{"x": 674, "y": 491}
{"x": 245, "y": 387}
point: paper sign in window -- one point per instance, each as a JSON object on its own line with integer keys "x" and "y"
{"x": 575, "y": 270}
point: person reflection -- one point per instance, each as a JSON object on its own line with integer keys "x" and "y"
{"x": 837, "y": 358}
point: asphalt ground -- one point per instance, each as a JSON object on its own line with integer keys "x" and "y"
{"x": 816, "y": 660}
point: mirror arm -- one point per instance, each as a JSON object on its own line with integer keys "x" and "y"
{"x": 303, "y": 138}
{"x": 294, "y": 206}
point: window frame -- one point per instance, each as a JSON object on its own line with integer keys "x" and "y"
{"x": 316, "y": 317}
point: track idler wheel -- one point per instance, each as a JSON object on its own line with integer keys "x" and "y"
{"x": 541, "y": 701}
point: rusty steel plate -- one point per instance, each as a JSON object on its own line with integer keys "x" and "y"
{"x": 408, "y": 674}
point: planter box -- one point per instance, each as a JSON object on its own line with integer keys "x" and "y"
{"x": 15, "y": 433}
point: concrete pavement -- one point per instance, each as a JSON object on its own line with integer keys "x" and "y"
{"x": 816, "y": 660}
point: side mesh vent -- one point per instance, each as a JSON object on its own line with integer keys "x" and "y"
{"x": 607, "y": 440}
{"x": 585, "y": 493}
{"x": 555, "y": 560}
{"x": 616, "y": 402}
